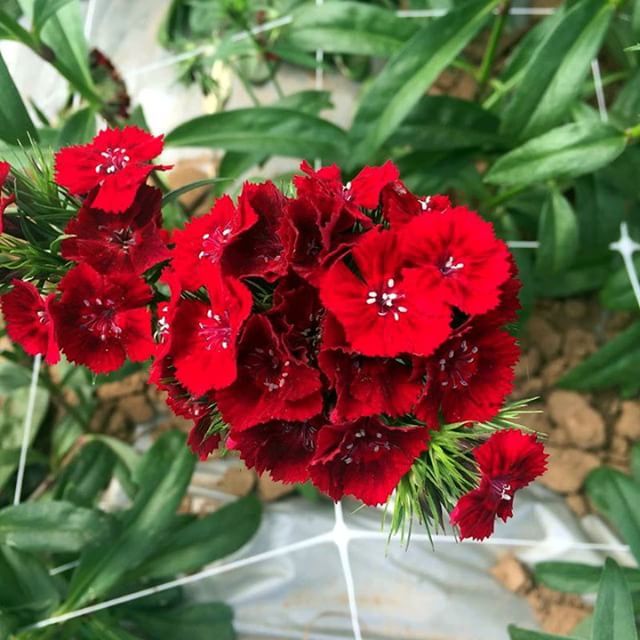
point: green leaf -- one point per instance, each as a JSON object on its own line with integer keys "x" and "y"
{"x": 572, "y": 577}
{"x": 348, "y": 27}
{"x": 273, "y": 130}
{"x": 616, "y": 497}
{"x": 205, "y": 621}
{"x": 125, "y": 452}
{"x": 13, "y": 376}
{"x": 613, "y": 618}
{"x": 50, "y": 526}
{"x": 552, "y": 79}
{"x": 410, "y": 72}
{"x": 172, "y": 196}
{"x": 565, "y": 152}
{"x": 78, "y": 129}
{"x": 571, "y": 282}
{"x": 163, "y": 477}
{"x": 208, "y": 539}
{"x": 635, "y": 462}
{"x": 45, "y": 9}
{"x": 617, "y": 292}
{"x": 64, "y": 34}
{"x": 84, "y": 479}
{"x": 612, "y": 365}
{"x": 557, "y": 234}
{"x": 515, "y": 633}
{"x": 442, "y": 123}
{"x": 15, "y": 124}
{"x": 26, "y": 588}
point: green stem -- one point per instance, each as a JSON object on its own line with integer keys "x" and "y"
{"x": 246, "y": 84}
{"x": 632, "y": 133}
{"x": 503, "y": 197}
{"x": 492, "y": 47}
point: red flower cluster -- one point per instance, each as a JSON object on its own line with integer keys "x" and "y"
{"x": 323, "y": 336}
{"x": 98, "y": 314}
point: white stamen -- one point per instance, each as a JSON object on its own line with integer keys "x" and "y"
{"x": 402, "y": 309}
{"x": 391, "y": 283}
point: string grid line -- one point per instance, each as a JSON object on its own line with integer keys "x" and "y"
{"x": 341, "y": 534}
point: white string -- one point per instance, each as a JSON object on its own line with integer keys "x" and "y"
{"x": 597, "y": 82}
{"x": 208, "y": 49}
{"x": 88, "y": 20}
{"x": 523, "y": 244}
{"x": 26, "y": 429}
{"x": 438, "y": 13}
{"x": 626, "y": 246}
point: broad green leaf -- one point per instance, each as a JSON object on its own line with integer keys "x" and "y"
{"x": 410, "y": 72}
{"x": 15, "y": 123}
{"x": 78, "y": 129}
{"x": 565, "y": 152}
{"x": 103, "y": 627}
{"x": 515, "y": 633}
{"x": 64, "y": 34}
{"x": 163, "y": 477}
{"x": 172, "y": 196}
{"x": 126, "y": 454}
{"x": 13, "y": 376}
{"x": 617, "y": 292}
{"x": 635, "y": 462}
{"x": 84, "y": 479}
{"x": 205, "y": 621}
{"x": 10, "y": 29}
{"x": 50, "y": 526}
{"x": 610, "y": 366}
{"x": 557, "y": 234}
{"x": 615, "y": 495}
{"x": 626, "y": 106}
{"x": 27, "y": 591}
{"x": 572, "y": 577}
{"x": 207, "y": 539}
{"x": 442, "y": 123}
{"x": 614, "y": 618}
{"x": 235, "y": 163}
{"x": 348, "y": 27}
{"x": 571, "y": 282}
{"x": 272, "y": 130}
{"x": 45, "y": 9}
{"x": 552, "y": 79}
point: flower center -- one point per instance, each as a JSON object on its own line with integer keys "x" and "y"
{"x": 388, "y": 300}
{"x": 268, "y": 369}
{"x": 114, "y": 160}
{"x": 214, "y": 241}
{"x": 458, "y": 365}
{"x": 451, "y": 266}
{"x": 123, "y": 238}
{"x": 42, "y": 316}
{"x": 99, "y": 318}
{"x": 215, "y": 330}
{"x": 358, "y": 446}
{"x": 502, "y": 489}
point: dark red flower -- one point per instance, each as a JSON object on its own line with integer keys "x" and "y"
{"x": 400, "y": 206}
{"x": 127, "y": 242}
{"x": 462, "y": 255}
{"x": 102, "y": 320}
{"x": 470, "y": 375}
{"x": 28, "y": 320}
{"x": 365, "y": 386}
{"x": 272, "y": 384}
{"x": 115, "y": 163}
{"x": 508, "y": 461}
{"x": 284, "y": 449}
{"x": 200, "y": 245}
{"x": 204, "y": 335}
{"x": 386, "y": 310}
{"x": 365, "y": 458}
{"x": 258, "y": 250}
{"x": 5, "y": 201}
{"x": 200, "y": 441}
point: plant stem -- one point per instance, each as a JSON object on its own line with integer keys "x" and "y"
{"x": 492, "y": 47}
{"x": 246, "y": 84}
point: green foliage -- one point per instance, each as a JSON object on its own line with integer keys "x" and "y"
{"x": 15, "y": 123}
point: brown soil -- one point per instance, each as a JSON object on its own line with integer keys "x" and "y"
{"x": 584, "y": 430}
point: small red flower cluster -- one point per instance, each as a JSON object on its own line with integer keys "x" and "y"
{"x": 332, "y": 331}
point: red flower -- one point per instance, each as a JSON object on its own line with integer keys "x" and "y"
{"x": 5, "y": 201}
{"x": 284, "y": 449}
{"x": 361, "y": 192}
{"x": 400, "y": 206}
{"x": 29, "y": 322}
{"x": 272, "y": 384}
{"x": 200, "y": 245}
{"x": 365, "y": 386}
{"x": 387, "y": 310}
{"x": 365, "y": 458}
{"x": 508, "y": 461}
{"x": 200, "y": 441}
{"x": 258, "y": 250}
{"x": 204, "y": 335}
{"x": 128, "y": 242}
{"x": 463, "y": 257}
{"x": 470, "y": 375}
{"x": 103, "y": 320}
{"x": 115, "y": 163}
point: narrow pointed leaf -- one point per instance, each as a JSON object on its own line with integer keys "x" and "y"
{"x": 15, "y": 123}
{"x": 572, "y": 577}
{"x": 45, "y": 9}
{"x": 515, "y": 633}
{"x": 557, "y": 234}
